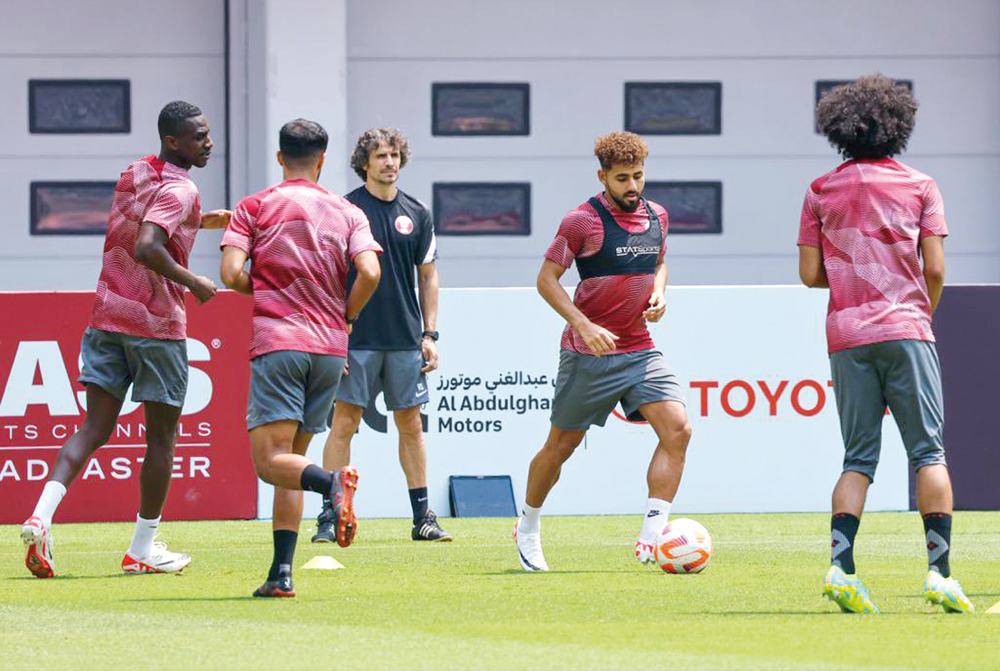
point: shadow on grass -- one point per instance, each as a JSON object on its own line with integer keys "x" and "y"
{"x": 183, "y": 599}
{"x": 517, "y": 571}
{"x": 71, "y": 577}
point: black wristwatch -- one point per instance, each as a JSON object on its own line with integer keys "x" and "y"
{"x": 351, "y": 320}
{"x": 433, "y": 335}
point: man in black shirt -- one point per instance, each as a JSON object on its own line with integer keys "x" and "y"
{"x": 390, "y": 350}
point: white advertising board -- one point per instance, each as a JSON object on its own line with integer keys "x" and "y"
{"x": 752, "y": 361}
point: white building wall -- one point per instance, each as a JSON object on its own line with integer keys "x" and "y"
{"x": 577, "y": 54}
{"x": 168, "y": 51}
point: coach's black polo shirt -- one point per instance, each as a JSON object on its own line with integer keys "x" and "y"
{"x": 391, "y": 320}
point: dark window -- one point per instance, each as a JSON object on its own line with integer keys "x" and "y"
{"x": 673, "y": 108}
{"x": 70, "y": 208}
{"x": 824, "y": 86}
{"x": 79, "y": 106}
{"x": 482, "y": 208}
{"x": 465, "y": 108}
{"x": 693, "y": 207}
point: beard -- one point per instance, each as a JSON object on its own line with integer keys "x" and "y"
{"x": 624, "y": 205}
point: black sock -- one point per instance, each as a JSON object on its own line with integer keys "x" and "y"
{"x": 937, "y": 533}
{"x": 418, "y": 501}
{"x": 315, "y": 479}
{"x": 284, "y": 552}
{"x": 843, "y": 528}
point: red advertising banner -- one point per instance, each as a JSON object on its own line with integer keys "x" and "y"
{"x": 42, "y": 404}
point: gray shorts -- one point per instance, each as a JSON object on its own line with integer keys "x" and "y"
{"x": 394, "y": 372}
{"x": 293, "y": 385}
{"x": 589, "y": 387}
{"x": 905, "y": 376}
{"x": 156, "y": 369}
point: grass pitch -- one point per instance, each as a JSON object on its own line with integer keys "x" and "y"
{"x": 406, "y": 605}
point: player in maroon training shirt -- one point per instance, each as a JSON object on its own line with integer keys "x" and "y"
{"x": 137, "y": 333}
{"x": 617, "y": 240}
{"x": 301, "y": 240}
{"x": 872, "y": 231}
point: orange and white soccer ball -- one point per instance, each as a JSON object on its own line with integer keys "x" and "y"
{"x": 684, "y": 546}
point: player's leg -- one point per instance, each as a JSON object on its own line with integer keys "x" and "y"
{"x": 913, "y": 390}
{"x": 286, "y": 518}
{"x": 106, "y": 375}
{"x": 337, "y": 456}
{"x": 159, "y": 369}
{"x": 405, "y": 389}
{"x": 670, "y": 422}
{"x": 654, "y": 394}
{"x": 353, "y": 393}
{"x": 144, "y": 555}
{"x": 343, "y": 427}
{"x": 861, "y": 405}
{"x": 586, "y": 392}
{"x": 291, "y": 392}
{"x": 543, "y": 473}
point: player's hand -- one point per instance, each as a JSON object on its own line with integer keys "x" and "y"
{"x": 599, "y": 340}
{"x": 203, "y": 288}
{"x": 347, "y": 366}
{"x": 216, "y": 218}
{"x": 429, "y": 348}
{"x": 657, "y": 306}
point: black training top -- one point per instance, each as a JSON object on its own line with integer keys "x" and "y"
{"x": 391, "y": 320}
{"x": 623, "y": 253}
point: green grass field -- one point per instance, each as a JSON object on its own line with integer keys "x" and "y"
{"x": 404, "y": 605}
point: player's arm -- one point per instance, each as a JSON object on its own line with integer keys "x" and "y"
{"x": 369, "y": 272}
{"x": 657, "y": 301}
{"x": 932, "y": 249}
{"x": 233, "y": 270}
{"x": 598, "y": 339}
{"x": 151, "y": 251}
{"x": 216, "y": 218}
{"x": 812, "y": 272}
{"x": 427, "y": 288}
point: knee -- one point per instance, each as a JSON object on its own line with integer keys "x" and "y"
{"x": 262, "y": 466}
{"x": 97, "y": 434}
{"x": 677, "y": 437}
{"x": 344, "y": 426}
{"x": 410, "y": 425}
{"x": 563, "y": 446}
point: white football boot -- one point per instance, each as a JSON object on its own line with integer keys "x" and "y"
{"x": 160, "y": 560}
{"x": 38, "y": 548}
{"x": 529, "y": 550}
{"x": 645, "y": 551}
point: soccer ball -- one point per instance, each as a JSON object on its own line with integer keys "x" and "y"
{"x": 684, "y": 546}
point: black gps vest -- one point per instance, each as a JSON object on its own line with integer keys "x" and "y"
{"x": 623, "y": 253}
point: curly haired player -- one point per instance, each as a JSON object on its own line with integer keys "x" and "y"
{"x": 865, "y": 227}
{"x": 617, "y": 240}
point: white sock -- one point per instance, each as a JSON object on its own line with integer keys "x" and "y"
{"x": 142, "y": 540}
{"x": 531, "y": 520}
{"x": 52, "y": 494}
{"x": 657, "y": 514}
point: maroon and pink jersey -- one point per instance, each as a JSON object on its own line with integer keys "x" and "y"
{"x": 868, "y": 217}
{"x": 614, "y": 302}
{"x": 301, "y": 240}
{"x": 131, "y": 298}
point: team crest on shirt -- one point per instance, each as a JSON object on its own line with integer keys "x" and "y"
{"x": 404, "y": 224}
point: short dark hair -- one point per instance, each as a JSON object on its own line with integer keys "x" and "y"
{"x": 173, "y": 115}
{"x": 369, "y": 142}
{"x": 301, "y": 138}
{"x": 871, "y": 117}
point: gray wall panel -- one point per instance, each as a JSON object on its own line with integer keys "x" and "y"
{"x": 768, "y": 56}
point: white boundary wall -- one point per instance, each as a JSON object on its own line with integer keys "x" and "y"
{"x": 737, "y": 337}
